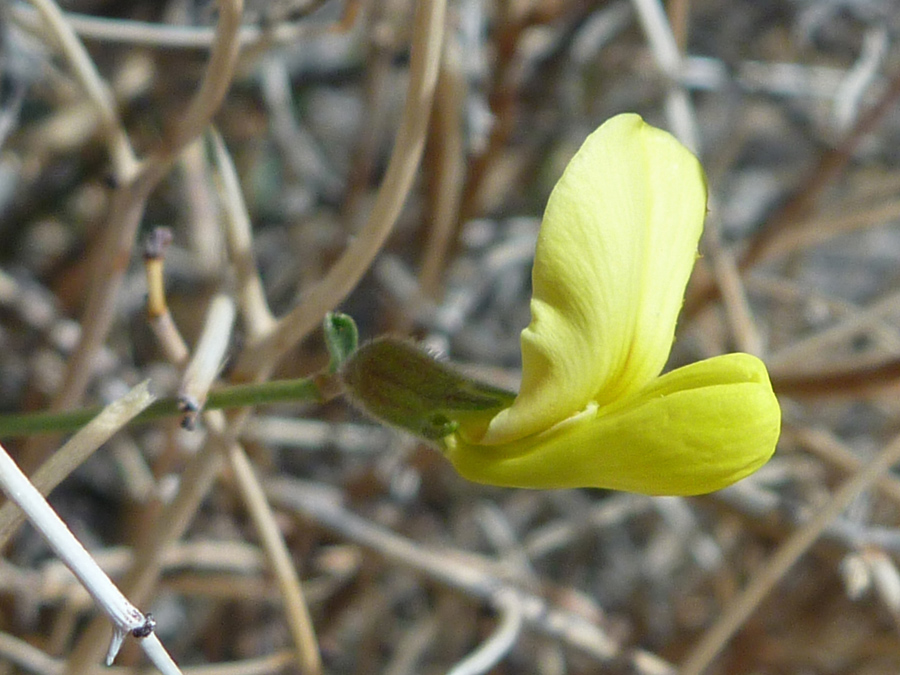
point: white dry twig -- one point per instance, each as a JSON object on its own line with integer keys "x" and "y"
{"x": 126, "y": 617}
{"x": 206, "y": 361}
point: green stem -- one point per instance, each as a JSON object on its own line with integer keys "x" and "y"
{"x": 236, "y": 396}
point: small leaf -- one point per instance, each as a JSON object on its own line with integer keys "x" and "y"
{"x": 341, "y": 338}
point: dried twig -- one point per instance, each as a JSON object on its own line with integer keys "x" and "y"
{"x": 167, "y": 334}
{"x": 207, "y": 359}
{"x": 124, "y": 160}
{"x": 129, "y": 199}
{"x": 140, "y": 579}
{"x": 161, "y": 36}
{"x": 298, "y": 616}
{"x": 261, "y": 356}
{"x": 741, "y": 607}
{"x": 251, "y": 297}
{"x": 467, "y": 573}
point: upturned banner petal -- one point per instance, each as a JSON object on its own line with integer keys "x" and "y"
{"x": 616, "y": 247}
{"x": 695, "y": 430}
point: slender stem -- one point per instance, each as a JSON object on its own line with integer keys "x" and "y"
{"x": 89, "y": 437}
{"x": 237, "y": 396}
{"x": 277, "y": 391}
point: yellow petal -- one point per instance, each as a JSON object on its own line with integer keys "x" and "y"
{"x": 695, "y": 430}
{"x": 616, "y": 247}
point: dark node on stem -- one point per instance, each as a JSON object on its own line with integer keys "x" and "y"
{"x": 190, "y": 406}
{"x": 157, "y": 242}
{"x": 109, "y": 180}
{"x": 145, "y": 628}
{"x": 330, "y": 386}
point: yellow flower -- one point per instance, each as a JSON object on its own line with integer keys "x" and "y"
{"x": 616, "y": 247}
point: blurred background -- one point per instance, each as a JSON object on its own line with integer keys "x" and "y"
{"x": 418, "y": 217}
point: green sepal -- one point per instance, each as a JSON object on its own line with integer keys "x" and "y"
{"x": 341, "y": 338}
{"x": 402, "y": 385}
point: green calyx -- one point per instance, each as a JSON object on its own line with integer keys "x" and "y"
{"x": 399, "y": 384}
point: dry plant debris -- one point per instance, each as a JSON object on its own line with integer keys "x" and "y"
{"x": 391, "y": 159}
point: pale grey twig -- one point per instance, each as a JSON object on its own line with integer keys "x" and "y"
{"x": 140, "y": 578}
{"x": 33, "y": 660}
{"x": 679, "y": 109}
{"x": 860, "y": 78}
{"x": 239, "y": 238}
{"x": 157, "y": 654}
{"x": 468, "y": 573}
{"x": 297, "y": 145}
{"x": 492, "y": 651}
{"x": 162, "y": 36}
